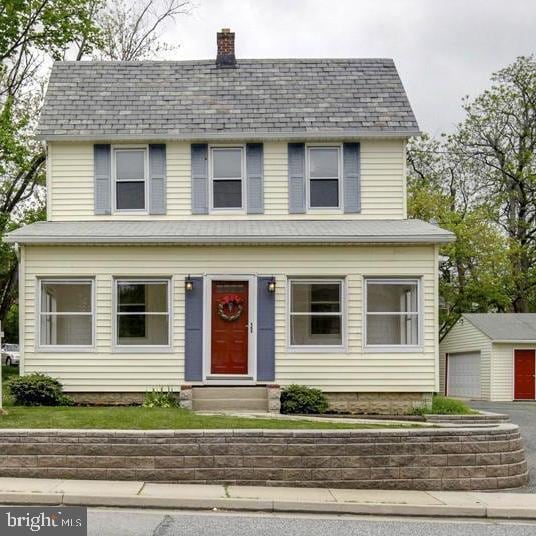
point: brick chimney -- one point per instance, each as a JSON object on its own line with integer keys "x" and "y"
{"x": 226, "y": 53}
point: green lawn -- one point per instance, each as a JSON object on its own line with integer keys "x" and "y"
{"x": 138, "y": 418}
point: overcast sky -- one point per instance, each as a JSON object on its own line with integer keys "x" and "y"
{"x": 444, "y": 49}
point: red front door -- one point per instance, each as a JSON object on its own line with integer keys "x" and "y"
{"x": 229, "y": 342}
{"x": 524, "y": 371}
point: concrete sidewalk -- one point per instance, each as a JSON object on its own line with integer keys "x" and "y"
{"x": 18, "y": 491}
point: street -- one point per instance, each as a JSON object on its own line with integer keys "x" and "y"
{"x": 123, "y": 522}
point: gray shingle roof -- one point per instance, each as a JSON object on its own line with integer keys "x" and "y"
{"x": 232, "y": 232}
{"x": 505, "y": 326}
{"x": 196, "y": 100}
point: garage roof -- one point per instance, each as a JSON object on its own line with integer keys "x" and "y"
{"x": 505, "y": 327}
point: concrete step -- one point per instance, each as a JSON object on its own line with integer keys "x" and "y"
{"x": 230, "y": 404}
{"x": 209, "y": 393}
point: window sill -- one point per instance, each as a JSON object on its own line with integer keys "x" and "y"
{"x": 66, "y": 349}
{"x": 229, "y": 211}
{"x": 317, "y": 349}
{"x": 142, "y": 350}
{"x": 393, "y": 349}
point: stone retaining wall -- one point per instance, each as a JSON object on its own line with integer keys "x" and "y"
{"x": 433, "y": 459}
{"x": 378, "y": 403}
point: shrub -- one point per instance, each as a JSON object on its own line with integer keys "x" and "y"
{"x": 37, "y": 390}
{"x": 442, "y": 405}
{"x": 160, "y": 398}
{"x": 302, "y": 399}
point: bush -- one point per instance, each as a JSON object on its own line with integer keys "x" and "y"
{"x": 37, "y": 390}
{"x": 302, "y": 399}
{"x": 160, "y": 399}
{"x": 442, "y": 405}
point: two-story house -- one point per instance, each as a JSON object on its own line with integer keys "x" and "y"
{"x": 230, "y": 224}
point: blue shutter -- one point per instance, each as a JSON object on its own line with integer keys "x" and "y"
{"x": 351, "y": 179}
{"x": 157, "y": 179}
{"x": 265, "y": 331}
{"x": 199, "y": 178}
{"x": 193, "y": 332}
{"x": 102, "y": 166}
{"x": 254, "y": 172}
{"x": 296, "y": 178}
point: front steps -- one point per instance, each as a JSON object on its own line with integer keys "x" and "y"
{"x": 242, "y": 399}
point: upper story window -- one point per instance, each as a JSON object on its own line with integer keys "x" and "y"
{"x": 227, "y": 178}
{"x": 323, "y": 177}
{"x": 130, "y": 179}
{"x": 393, "y": 313}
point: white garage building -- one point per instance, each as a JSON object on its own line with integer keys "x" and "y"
{"x": 490, "y": 357}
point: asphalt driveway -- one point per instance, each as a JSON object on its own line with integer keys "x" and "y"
{"x": 524, "y": 415}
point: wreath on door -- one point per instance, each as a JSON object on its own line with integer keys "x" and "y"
{"x": 230, "y": 307}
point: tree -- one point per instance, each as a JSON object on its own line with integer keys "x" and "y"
{"x": 132, "y": 31}
{"x": 498, "y": 138}
{"x": 32, "y": 33}
{"x": 474, "y": 268}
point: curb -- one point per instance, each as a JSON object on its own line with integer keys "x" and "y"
{"x": 137, "y": 501}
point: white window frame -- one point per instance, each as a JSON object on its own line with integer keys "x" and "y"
{"x": 211, "y": 150}
{"x": 308, "y": 178}
{"x": 393, "y": 348}
{"x": 317, "y": 348}
{"x": 64, "y": 347}
{"x": 140, "y": 348}
{"x": 126, "y": 148}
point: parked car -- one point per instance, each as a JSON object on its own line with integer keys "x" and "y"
{"x": 10, "y": 354}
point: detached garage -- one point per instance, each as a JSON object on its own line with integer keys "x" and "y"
{"x": 490, "y": 357}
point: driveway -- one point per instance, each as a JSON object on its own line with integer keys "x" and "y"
{"x": 524, "y": 415}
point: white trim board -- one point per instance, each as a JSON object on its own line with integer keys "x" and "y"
{"x": 251, "y": 376}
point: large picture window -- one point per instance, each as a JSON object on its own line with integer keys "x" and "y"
{"x": 142, "y": 313}
{"x": 66, "y": 313}
{"x": 130, "y": 173}
{"x": 392, "y": 312}
{"x": 316, "y": 313}
{"x": 323, "y": 177}
{"x": 227, "y": 173}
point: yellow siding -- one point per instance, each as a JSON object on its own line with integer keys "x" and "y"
{"x": 464, "y": 337}
{"x": 353, "y": 370}
{"x": 502, "y": 370}
{"x": 70, "y": 180}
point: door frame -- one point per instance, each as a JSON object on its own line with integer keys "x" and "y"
{"x": 230, "y": 379}
{"x": 514, "y": 349}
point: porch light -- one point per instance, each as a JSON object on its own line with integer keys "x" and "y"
{"x": 271, "y": 285}
{"x": 188, "y": 284}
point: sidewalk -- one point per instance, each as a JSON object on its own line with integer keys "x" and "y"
{"x": 17, "y": 491}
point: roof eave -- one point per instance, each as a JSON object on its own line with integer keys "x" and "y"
{"x": 230, "y": 135}
{"x": 513, "y": 341}
{"x": 229, "y": 240}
